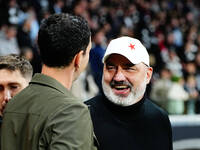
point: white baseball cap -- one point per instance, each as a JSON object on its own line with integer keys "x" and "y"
{"x": 128, "y": 47}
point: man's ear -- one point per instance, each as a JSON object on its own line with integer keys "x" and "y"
{"x": 149, "y": 74}
{"x": 77, "y": 59}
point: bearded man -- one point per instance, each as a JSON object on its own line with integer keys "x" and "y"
{"x": 123, "y": 118}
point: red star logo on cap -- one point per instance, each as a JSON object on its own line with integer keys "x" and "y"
{"x": 132, "y": 46}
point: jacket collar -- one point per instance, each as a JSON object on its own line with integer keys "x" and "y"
{"x": 128, "y": 113}
{"x": 45, "y": 80}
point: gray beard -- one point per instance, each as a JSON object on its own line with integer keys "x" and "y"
{"x": 134, "y": 96}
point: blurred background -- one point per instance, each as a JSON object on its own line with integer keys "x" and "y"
{"x": 169, "y": 29}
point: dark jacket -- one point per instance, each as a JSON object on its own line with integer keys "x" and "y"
{"x": 142, "y": 126}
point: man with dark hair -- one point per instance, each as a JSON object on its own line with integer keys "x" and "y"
{"x": 15, "y": 74}
{"x": 123, "y": 118}
{"x": 46, "y": 115}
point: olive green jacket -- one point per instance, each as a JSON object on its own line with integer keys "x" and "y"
{"x": 46, "y": 116}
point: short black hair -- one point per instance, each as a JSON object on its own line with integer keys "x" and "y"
{"x": 61, "y": 37}
{"x": 15, "y": 62}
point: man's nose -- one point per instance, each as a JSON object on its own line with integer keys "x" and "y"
{"x": 119, "y": 76}
{"x": 7, "y": 95}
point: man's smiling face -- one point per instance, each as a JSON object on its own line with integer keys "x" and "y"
{"x": 123, "y": 82}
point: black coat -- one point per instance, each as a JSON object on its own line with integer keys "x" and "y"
{"x": 142, "y": 126}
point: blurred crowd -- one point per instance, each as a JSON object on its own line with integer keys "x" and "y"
{"x": 168, "y": 28}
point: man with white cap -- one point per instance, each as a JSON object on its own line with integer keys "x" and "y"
{"x": 123, "y": 118}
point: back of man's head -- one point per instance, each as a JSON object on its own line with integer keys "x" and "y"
{"x": 61, "y": 37}
{"x": 14, "y": 62}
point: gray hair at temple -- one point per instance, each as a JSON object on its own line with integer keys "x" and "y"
{"x": 15, "y": 62}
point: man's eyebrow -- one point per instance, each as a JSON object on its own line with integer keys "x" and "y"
{"x": 129, "y": 64}
{"x": 109, "y": 63}
{"x": 13, "y": 83}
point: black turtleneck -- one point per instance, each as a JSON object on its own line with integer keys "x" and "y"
{"x": 141, "y": 126}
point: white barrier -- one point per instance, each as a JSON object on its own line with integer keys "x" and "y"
{"x": 186, "y": 132}
{"x": 185, "y": 120}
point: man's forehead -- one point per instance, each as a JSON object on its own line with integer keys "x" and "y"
{"x": 8, "y": 81}
{"x": 10, "y": 75}
{"x": 7, "y": 69}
